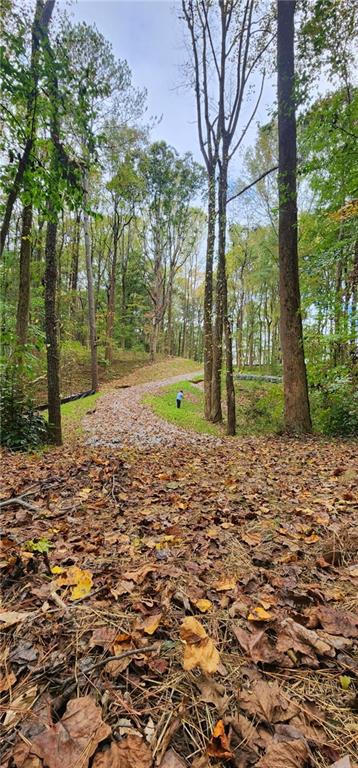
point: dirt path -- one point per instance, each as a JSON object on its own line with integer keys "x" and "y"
{"x": 121, "y": 418}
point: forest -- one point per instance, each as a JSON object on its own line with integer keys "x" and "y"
{"x": 179, "y": 391}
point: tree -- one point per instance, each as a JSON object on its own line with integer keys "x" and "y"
{"x": 40, "y": 25}
{"x": 221, "y": 80}
{"x": 297, "y": 410}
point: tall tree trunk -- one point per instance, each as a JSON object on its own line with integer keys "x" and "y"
{"x": 42, "y": 18}
{"x": 23, "y": 305}
{"x": 230, "y": 390}
{"x": 208, "y": 297}
{"x": 296, "y": 411}
{"x": 112, "y": 289}
{"x": 90, "y": 289}
{"x": 51, "y": 325}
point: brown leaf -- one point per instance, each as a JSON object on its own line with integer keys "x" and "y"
{"x": 295, "y": 637}
{"x": 104, "y": 637}
{"x": 131, "y": 752}
{"x": 335, "y": 622}
{"x": 257, "y": 646}
{"x": 213, "y": 693}
{"x": 172, "y": 760}
{"x": 292, "y": 754}
{"x": 225, "y": 584}
{"x": 344, "y": 762}
{"x": 9, "y": 618}
{"x": 151, "y": 623}
{"x": 7, "y": 681}
{"x": 219, "y": 745}
{"x": 74, "y": 739}
{"x": 139, "y": 574}
{"x": 20, "y": 706}
{"x": 199, "y": 650}
{"x": 267, "y": 702}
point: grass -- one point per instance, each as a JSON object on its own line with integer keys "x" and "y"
{"x": 72, "y": 415}
{"x": 190, "y": 415}
{"x": 259, "y": 407}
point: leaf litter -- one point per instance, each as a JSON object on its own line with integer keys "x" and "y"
{"x": 234, "y": 564}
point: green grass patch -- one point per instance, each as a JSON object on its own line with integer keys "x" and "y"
{"x": 259, "y": 408}
{"x": 190, "y": 415}
{"x": 72, "y": 415}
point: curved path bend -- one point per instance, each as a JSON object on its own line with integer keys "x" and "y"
{"x": 121, "y": 418}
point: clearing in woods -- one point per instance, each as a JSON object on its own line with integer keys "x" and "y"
{"x": 221, "y": 573}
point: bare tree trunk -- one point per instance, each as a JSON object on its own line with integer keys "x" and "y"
{"x": 51, "y": 325}
{"x": 230, "y": 390}
{"x": 112, "y": 289}
{"x": 23, "y": 306}
{"x": 297, "y": 411}
{"x": 208, "y": 297}
{"x": 90, "y": 290}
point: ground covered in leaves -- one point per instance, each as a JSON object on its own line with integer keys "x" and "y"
{"x": 222, "y": 578}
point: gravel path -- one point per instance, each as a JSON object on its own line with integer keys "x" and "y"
{"x": 121, "y": 418}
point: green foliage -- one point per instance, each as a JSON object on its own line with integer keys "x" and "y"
{"x": 41, "y": 546}
{"x": 21, "y": 427}
{"x": 335, "y": 406}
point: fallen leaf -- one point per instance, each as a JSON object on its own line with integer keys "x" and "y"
{"x": 151, "y": 623}
{"x": 267, "y": 702}
{"x": 291, "y": 754}
{"x": 199, "y": 650}
{"x": 259, "y": 614}
{"x": 172, "y": 760}
{"x": 139, "y": 574}
{"x": 132, "y": 752}
{"x": 104, "y": 637}
{"x": 225, "y": 584}
{"x": 295, "y": 637}
{"x": 344, "y": 762}
{"x": 20, "y": 706}
{"x": 219, "y": 745}
{"x": 9, "y": 618}
{"x": 74, "y": 739}
{"x": 335, "y": 622}
{"x": 7, "y": 681}
{"x": 257, "y": 646}
{"x": 203, "y": 605}
{"x": 213, "y": 693}
{"x": 80, "y": 580}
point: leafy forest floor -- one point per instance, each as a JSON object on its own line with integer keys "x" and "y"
{"x": 222, "y": 574}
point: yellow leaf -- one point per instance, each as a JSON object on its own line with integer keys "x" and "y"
{"x": 75, "y": 577}
{"x": 151, "y": 623}
{"x": 203, "y": 605}
{"x": 225, "y": 584}
{"x": 345, "y": 682}
{"x": 259, "y": 614}
{"x": 199, "y": 650}
{"x": 57, "y": 569}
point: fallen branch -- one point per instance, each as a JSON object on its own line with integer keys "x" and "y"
{"x": 124, "y": 655}
{"x": 20, "y": 501}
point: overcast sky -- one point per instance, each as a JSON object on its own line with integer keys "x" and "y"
{"x": 149, "y": 34}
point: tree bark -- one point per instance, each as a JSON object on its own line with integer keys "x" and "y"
{"x": 51, "y": 324}
{"x": 296, "y": 410}
{"x": 208, "y": 296}
{"x": 112, "y": 289}
{"x": 90, "y": 289}
{"x": 230, "y": 390}
{"x": 23, "y": 305}
{"x": 42, "y": 18}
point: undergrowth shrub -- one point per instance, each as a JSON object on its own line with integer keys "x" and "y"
{"x": 335, "y": 407}
{"x": 21, "y": 428}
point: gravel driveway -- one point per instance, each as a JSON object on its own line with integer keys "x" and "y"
{"x": 121, "y": 418}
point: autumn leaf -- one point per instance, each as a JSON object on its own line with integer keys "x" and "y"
{"x": 203, "y": 605}
{"x": 290, "y": 754}
{"x": 213, "y": 693}
{"x": 199, "y": 650}
{"x": 7, "y": 681}
{"x": 20, "y": 706}
{"x": 74, "y": 739}
{"x": 225, "y": 584}
{"x": 130, "y": 752}
{"x": 9, "y": 618}
{"x": 151, "y": 623}
{"x": 259, "y": 614}
{"x": 81, "y": 581}
{"x": 219, "y": 745}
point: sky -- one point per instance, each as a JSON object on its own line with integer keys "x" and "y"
{"x": 150, "y": 36}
